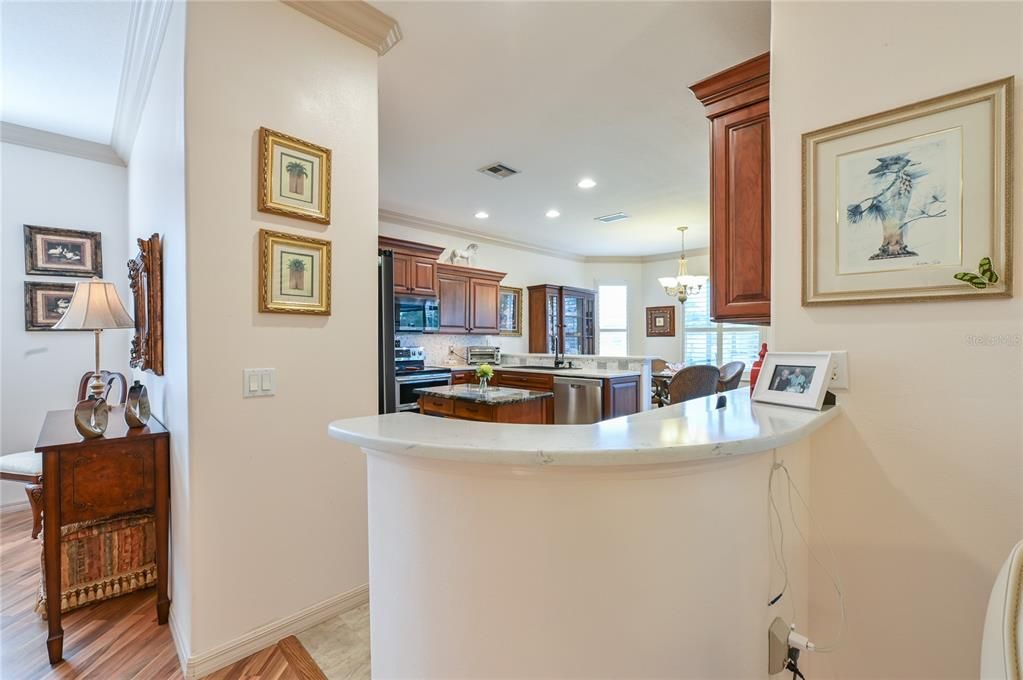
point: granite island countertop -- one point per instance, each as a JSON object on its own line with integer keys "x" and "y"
{"x": 496, "y": 396}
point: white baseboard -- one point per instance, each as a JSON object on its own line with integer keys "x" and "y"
{"x": 180, "y": 640}
{"x": 226, "y": 654}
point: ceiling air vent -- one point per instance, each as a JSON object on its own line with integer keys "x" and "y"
{"x": 613, "y": 217}
{"x": 498, "y": 170}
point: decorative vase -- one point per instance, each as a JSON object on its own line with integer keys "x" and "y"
{"x": 91, "y": 416}
{"x": 136, "y": 408}
{"x": 484, "y": 384}
{"x": 754, "y": 372}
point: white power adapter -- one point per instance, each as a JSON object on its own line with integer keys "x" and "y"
{"x": 781, "y": 637}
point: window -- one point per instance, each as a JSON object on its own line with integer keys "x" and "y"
{"x": 613, "y": 320}
{"x": 705, "y": 342}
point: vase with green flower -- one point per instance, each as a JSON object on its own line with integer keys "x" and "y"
{"x": 485, "y": 373}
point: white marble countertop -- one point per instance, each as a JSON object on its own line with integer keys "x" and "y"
{"x": 598, "y": 373}
{"x": 689, "y": 431}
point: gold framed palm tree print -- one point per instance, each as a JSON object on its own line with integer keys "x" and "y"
{"x": 294, "y": 273}
{"x": 294, "y": 177}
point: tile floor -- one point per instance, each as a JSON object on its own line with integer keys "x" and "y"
{"x": 340, "y": 646}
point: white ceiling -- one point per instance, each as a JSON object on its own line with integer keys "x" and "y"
{"x": 558, "y": 91}
{"x": 61, "y": 65}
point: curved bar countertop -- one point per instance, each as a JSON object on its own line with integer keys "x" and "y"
{"x": 689, "y": 431}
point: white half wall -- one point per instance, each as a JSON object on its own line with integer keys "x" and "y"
{"x": 919, "y": 486}
{"x": 41, "y": 369}
{"x": 156, "y": 204}
{"x": 278, "y": 508}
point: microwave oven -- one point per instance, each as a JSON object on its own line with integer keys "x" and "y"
{"x": 416, "y": 315}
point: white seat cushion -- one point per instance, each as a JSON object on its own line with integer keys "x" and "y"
{"x": 22, "y": 463}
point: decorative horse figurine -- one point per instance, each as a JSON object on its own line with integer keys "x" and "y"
{"x": 459, "y": 256}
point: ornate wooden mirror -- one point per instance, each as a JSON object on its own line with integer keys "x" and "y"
{"x": 146, "y": 274}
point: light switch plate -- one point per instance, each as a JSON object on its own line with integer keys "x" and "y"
{"x": 839, "y": 370}
{"x": 259, "y": 382}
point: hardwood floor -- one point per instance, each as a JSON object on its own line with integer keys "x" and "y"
{"x": 113, "y": 640}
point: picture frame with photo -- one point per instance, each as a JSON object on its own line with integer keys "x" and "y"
{"x": 660, "y": 322}
{"x": 63, "y": 252}
{"x": 797, "y": 379}
{"x": 294, "y": 273}
{"x": 911, "y": 204}
{"x": 45, "y": 304}
{"x": 294, "y": 177}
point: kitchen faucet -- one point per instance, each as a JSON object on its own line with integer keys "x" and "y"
{"x": 558, "y": 363}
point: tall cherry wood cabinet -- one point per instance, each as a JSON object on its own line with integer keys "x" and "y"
{"x": 737, "y": 104}
{"x": 562, "y": 317}
{"x": 415, "y": 266}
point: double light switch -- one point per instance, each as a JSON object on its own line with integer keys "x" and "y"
{"x": 259, "y": 382}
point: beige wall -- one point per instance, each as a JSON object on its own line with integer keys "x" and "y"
{"x": 156, "y": 204}
{"x": 280, "y": 509}
{"x": 918, "y": 486}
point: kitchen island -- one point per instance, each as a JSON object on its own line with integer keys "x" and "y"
{"x": 632, "y": 547}
{"x": 494, "y": 405}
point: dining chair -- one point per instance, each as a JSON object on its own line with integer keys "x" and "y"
{"x": 731, "y": 374}
{"x": 27, "y": 466}
{"x": 693, "y": 382}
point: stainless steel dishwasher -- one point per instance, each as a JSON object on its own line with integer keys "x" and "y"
{"x": 577, "y": 400}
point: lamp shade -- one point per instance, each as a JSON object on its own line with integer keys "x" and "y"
{"x": 95, "y": 305}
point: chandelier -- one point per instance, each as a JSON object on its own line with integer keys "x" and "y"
{"x": 682, "y": 285}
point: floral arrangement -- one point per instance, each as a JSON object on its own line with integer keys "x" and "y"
{"x": 485, "y": 372}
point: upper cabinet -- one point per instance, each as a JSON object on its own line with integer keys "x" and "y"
{"x": 562, "y": 318}
{"x": 468, "y": 299}
{"x": 737, "y": 104}
{"x": 415, "y": 266}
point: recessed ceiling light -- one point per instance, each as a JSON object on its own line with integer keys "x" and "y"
{"x": 553, "y": 213}
{"x": 586, "y": 183}
{"x": 482, "y": 215}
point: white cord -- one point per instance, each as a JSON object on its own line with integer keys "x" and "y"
{"x": 779, "y": 552}
{"x": 835, "y": 581}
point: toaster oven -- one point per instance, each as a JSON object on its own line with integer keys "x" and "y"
{"x": 482, "y": 355}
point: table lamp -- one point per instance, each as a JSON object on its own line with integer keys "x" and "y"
{"x": 95, "y": 306}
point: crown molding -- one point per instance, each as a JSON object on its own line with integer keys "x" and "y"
{"x": 358, "y": 20}
{"x": 401, "y": 219}
{"x": 645, "y": 259}
{"x": 55, "y": 143}
{"x": 147, "y": 25}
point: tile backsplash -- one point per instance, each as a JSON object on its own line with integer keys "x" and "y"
{"x": 436, "y": 345}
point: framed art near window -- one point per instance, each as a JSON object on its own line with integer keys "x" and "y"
{"x": 911, "y": 204}
{"x": 294, "y": 177}
{"x": 145, "y": 272}
{"x": 63, "y": 252}
{"x": 294, "y": 273}
{"x": 509, "y": 311}
{"x": 45, "y": 304}
{"x": 660, "y": 322}
{"x": 794, "y": 379}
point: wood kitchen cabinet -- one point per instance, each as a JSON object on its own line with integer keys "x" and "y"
{"x": 562, "y": 315}
{"x": 415, "y": 266}
{"x": 468, "y": 299}
{"x": 737, "y": 104}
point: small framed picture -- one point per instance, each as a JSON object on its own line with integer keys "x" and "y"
{"x": 63, "y": 252}
{"x": 660, "y": 322}
{"x": 45, "y": 303}
{"x": 794, "y": 379}
{"x": 509, "y": 311}
{"x": 294, "y": 177}
{"x": 294, "y": 273}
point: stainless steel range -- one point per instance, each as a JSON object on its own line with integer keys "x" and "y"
{"x": 411, "y": 373}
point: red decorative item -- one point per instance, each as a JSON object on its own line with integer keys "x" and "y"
{"x": 754, "y": 372}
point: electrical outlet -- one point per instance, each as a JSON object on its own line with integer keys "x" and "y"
{"x": 840, "y": 370}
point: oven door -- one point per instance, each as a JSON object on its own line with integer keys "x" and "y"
{"x": 406, "y": 385}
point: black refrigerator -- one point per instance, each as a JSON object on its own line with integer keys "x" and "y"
{"x": 387, "y": 400}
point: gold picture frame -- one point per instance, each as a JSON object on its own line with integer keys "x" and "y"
{"x": 294, "y": 273}
{"x": 509, "y": 311}
{"x": 911, "y": 204}
{"x": 294, "y": 177}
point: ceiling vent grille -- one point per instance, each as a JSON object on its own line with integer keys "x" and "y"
{"x": 498, "y": 170}
{"x": 613, "y": 217}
